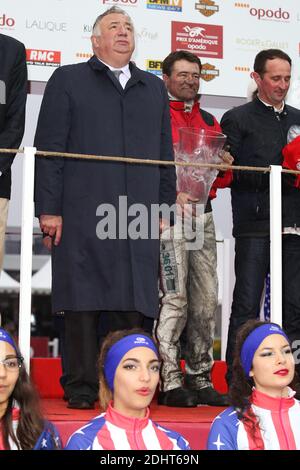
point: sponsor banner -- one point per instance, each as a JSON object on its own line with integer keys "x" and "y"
{"x": 204, "y": 40}
{"x": 259, "y": 43}
{"x": 46, "y": 25}
{"x": 145, "y": 34}
{"x": 207, "y": 7}
{"x": 209, "y": 72}
{"x": 7, "y": 21}
{"x": 265, "y": 12}
{"x": 86, "y": 31}
{"x": 42, "y": 57}
{"x": 167, "y": 5}
{"x": 226, "y": 35}
{"x": 83, "y": 56}
{"x": 154, "y": 66}
{"x": 242, "y": 68}
{"x": 119, "y": 3}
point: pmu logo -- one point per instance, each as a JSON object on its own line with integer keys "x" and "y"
{"x": 6, "y": 22}
{"x": 154, "y": 66}
{"x": 42, "y": 57}
{"x": 167, "y": 5}
{"x": 207, "y": 7}
{"x": 275, "y": 15}
{"x": 209, "y": 72}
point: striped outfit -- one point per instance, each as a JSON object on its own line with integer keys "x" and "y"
{"x": 113, "y": 431}
{"x": 278, "y": 426}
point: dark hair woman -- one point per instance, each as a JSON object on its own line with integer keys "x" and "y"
{"x": 265, "y": 415}
{"x": 22, "y": 426}
{"x": 129, "y": 373}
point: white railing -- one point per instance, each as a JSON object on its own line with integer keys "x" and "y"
{"x": 26, "y": 253}
{"x": 224, "y": 281}
{"x": 26, "y": 256}
{"x": 276, "y": 244}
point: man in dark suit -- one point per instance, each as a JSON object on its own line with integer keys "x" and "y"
{"x": 257, "y": 132}
{"x": 13, "y": 91}
{"x": 87, "y": 109}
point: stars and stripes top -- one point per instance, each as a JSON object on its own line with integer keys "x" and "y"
{"x": 49, "y": 439}
{"x": 113, "y": 431}
{"x": 277, "y": 426}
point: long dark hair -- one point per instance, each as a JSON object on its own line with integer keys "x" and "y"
{"x": 241, "y": 386}
{"x": 31, "y": 422}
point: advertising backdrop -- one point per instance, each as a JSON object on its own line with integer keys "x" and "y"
{"x": 225, "y": 34}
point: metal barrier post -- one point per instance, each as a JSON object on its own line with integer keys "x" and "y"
{"x": 276, "y": 244}
{"x": 26, "y": 253}
{"x": 226, "y": 304}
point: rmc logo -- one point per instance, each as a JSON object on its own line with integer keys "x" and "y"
{"x": 43, "y": 57}
{"x": 263, "y": 14}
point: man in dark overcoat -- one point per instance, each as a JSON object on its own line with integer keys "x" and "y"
{"x": 97, "y": 267}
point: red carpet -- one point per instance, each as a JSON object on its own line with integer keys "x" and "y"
{"x": 192, "y": 423}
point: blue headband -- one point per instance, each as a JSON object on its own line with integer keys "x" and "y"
{"x": 254, "y": 339}
{"x": 4, "y": 336}
{"x": 119, "y": 349}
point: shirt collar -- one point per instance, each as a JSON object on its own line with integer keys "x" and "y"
{"x": 125, "y": 69}
{"x": 277, "y": 110}
{"x": 188, "y": 105}
{"x": 126, "y": 422}
{"x": 270, "y": 403}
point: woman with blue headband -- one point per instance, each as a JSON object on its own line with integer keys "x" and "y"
{"x": 22, "y": 426}
{"x": 129, "y": 373}
{"x": 265, "y": 415}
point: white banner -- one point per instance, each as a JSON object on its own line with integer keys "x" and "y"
{"x": 225, "y": 34}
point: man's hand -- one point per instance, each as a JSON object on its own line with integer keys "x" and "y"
{"x": 184, "y": 205}
{"x": 226, "y": 157}
{"x": 47, "y": 242}
{"x": 164, "y": 224}
{"x": 51, "y": 225}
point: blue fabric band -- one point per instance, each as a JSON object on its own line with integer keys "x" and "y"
{"x": 4, "y": 336}
{"x": 254, "y": 339}
{"x": 119, "y": 349}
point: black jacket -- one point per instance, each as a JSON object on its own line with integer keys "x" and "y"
{"x": 256, "y": 135}
{"x": 86, "y": 110}
{"x": 13, "y": 90}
